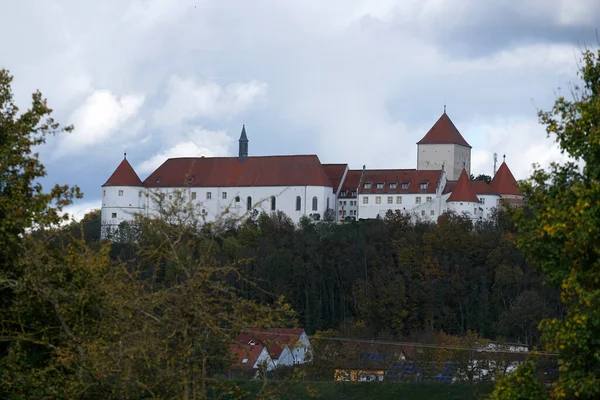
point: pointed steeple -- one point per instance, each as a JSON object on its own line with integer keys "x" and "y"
{"x": 243, "y": 145}
{"x": 463, "y": 191}
{"x": 504, "y": 183}
{"x": 124, "y": 175}
{"x": 444, "y": 132}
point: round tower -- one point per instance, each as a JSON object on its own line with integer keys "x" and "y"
{"x": 123, "y": 196}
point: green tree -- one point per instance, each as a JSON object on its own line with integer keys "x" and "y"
{"x": 23, "y": 202}
{"x": 560, "y": 228}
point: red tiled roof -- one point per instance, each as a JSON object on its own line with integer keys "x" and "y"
{"x": 240, "y": 352}
{"x": 124, "y": 175}
{"x": 273, "y": 339}
{"x": 350, "y": 184}
{"x": 230, "y": 172}
{"x": 504, "y": 182}
{"x": 482, "y": 187}
{"x": 335, "y": 172}
{"x": 399, "y": 176}
{"x": 444, "y": 132}
{"x": 479, "y": 187}
{"x": 463, "y": 191}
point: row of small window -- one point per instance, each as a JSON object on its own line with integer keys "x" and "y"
{"x": 349, "y": 212}
{"x": 390, "y": 199}
{"x": 343, "y": 202}
{"x": 394, "y": 185}
{"x": 315, "y": 201}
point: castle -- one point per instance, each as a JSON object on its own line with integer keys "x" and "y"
{"x": 300, "y": 185}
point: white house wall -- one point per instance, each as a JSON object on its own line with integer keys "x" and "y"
{"x": 130, "y": 203}
{"x": 285, "y": 358}
{"x": 409, "y": 202}
{"x": 121, "y": 203}
{"x": 302, "y": 349}
{"x": 489, "y": 202}
{"x": 265, "y": 358}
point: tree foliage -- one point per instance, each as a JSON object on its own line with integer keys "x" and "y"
{"x": 560, "y": 233}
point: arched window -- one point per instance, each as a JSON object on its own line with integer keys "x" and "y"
{"x": 298, "y": 203}
{"x": 237, "y": 199}
{"x": 315, "y": 203}
{"x": 327, "y": 204}
{"x": 273, "y": 203}
{"x": 249, "y": 203}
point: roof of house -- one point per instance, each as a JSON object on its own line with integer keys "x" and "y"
{"x": 390, "y": 177}
{"x": 479, "y": 187}
{"x": 335, "y": 172}
{"x": 241, "y": 352}
{"x": 504, "y": 182}
{"x": 274, "y": 339}
{"x": 444, "y": 132}
{"x": 463, "y": 191}
{"x": 294, "y": 170}
{"x": 124, "y": 175}
{"x": 351, "y": 182}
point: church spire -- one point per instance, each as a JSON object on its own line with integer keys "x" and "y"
{"x": 243, "y": 145}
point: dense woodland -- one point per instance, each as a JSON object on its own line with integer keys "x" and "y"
{"x": 397, "y": 279}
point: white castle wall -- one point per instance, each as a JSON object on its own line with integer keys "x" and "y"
{"x": 220, "y": 203}
{"x": 452, "y": 158}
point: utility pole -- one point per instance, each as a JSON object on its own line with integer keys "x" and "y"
{"x": 495, "y": 162}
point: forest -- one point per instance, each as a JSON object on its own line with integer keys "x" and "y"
{"x": 396, "y": 278}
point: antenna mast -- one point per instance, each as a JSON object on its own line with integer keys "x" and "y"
{"x": 495, "y": 162}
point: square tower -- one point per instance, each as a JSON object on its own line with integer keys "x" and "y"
{"x": 443, "y": 147}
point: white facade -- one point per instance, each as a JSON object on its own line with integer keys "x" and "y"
{"x": 285, "y": 358}
{"x": 452, "y": 158}
{"x": 122, "y": 203}
{"x": 264, "y": 359}
{"x": 302, "y": 350}
{"x": 347, "y": 207}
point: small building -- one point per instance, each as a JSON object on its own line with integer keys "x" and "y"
{"x": 286, "y": 346}
{"x": 249, "y": 360}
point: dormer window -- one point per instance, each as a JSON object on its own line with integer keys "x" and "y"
{"x": 405, "y": 185}
{"x": 158, "y": 179}
{"x": 251, "y": 342}
{"x": 393, "y": 185}
{"x": 380, "y": 186}
{"x": 424, "y": 185}
{"x": 368, "y": 185}
{"x": 245, "y": 361}
{"x": 190, "y": 179}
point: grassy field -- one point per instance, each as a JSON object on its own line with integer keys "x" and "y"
{"x": 355, "y": 391}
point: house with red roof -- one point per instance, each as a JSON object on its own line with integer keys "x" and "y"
{"x": 250, "y": 357}
{"x": 287, "y": 346}
{"x": 232, "y": 188}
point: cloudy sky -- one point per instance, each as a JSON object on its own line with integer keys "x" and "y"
{"x": 354, "y": 81}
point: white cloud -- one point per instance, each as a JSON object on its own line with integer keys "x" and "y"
{"x": 99, "y": 118}
{"x": 188, "y": 99}
{"x": 200, "y": 142}
{"x": 523, "y": 142}
{"x": 77, "y": 210}
{"x": 354, "y": 81}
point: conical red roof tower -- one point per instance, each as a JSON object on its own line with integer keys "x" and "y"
{"x": 124, "y": 175}
{"x": 444, "y": 132}
{"x": 504, "y": 183}
{"x": 463, "y": 191}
